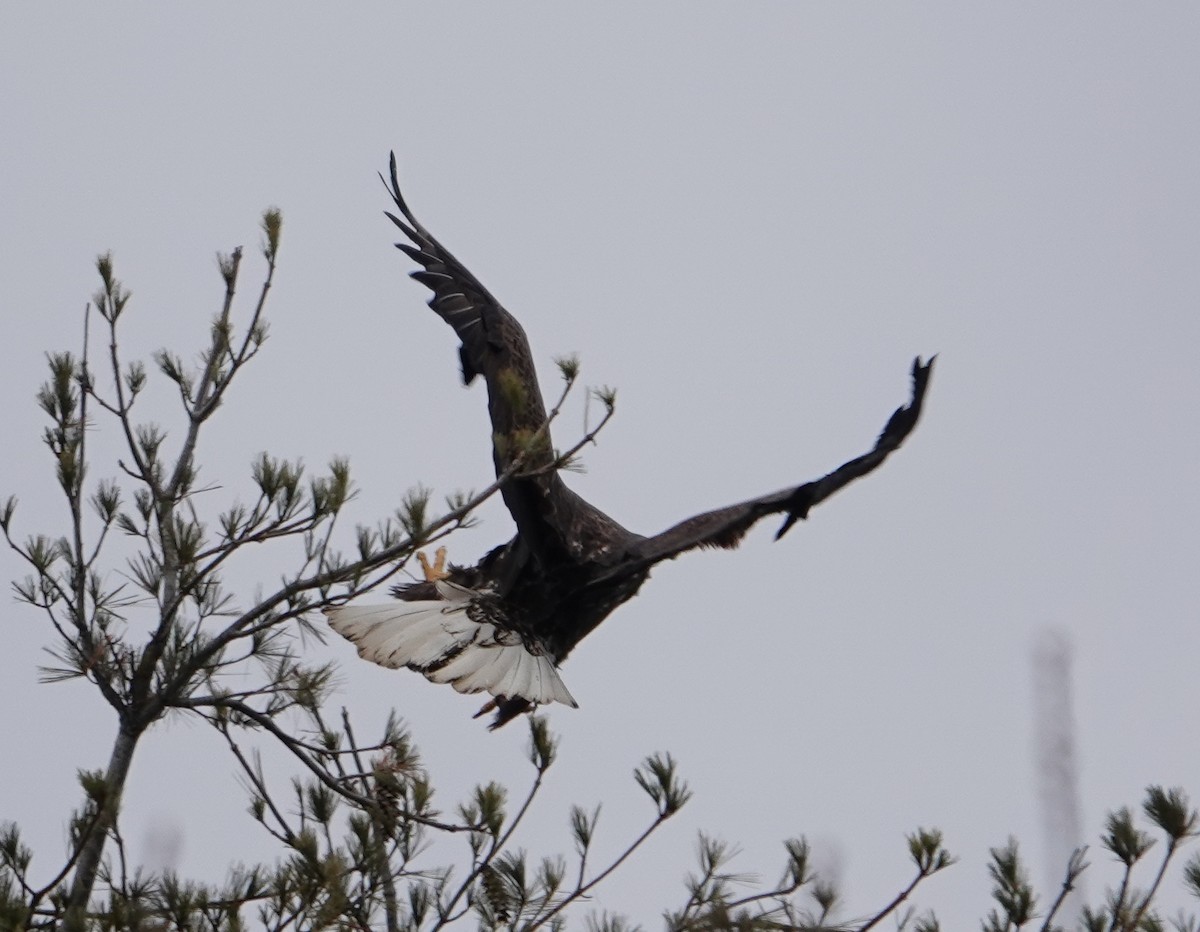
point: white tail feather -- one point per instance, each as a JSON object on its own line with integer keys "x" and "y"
{"x": 439, "y": 641}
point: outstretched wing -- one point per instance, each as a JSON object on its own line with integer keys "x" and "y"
{"x": 493, "y": 343}
{"x": 548, "y": 515}
{"x": 726, "y": 527}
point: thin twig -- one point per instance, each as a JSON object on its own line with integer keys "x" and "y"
{"x": 582, "y": 891}
{"x": 498, "y": 844}
{"x": 297, "y": 749}
{"x": 1075, "y": 867}
{"x": 1172, "y": 847}
{"x": 900, "y": 898}
{"x": 391, "y": 909}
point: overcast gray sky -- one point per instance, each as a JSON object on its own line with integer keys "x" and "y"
{"x": 749, "y": 218}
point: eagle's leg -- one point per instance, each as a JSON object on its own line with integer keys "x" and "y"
{"x": 437, "y": 570}
{"x": 506, "y": 710}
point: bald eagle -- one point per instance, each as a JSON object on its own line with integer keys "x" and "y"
{"x": 505, "y": 625}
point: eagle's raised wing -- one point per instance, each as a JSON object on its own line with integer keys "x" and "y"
{"x": 493, "y": 343}
{"x": 726, "y": 527}
{"x": 548, "y": 515}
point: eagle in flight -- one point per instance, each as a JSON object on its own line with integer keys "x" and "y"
{"x": 505, "y": 625}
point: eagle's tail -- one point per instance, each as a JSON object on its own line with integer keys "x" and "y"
{"x": 440, "y": 641}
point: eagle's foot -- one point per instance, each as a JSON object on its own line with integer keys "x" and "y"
{"x": 437, "y": 570}
{"x": 506, "y": 709}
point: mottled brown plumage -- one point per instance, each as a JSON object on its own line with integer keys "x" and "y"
{"x": 569, "y": 564}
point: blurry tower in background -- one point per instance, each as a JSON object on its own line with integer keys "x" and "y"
{"x": 1057, "y": 767}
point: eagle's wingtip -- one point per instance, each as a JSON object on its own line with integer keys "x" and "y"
{"x": 921, "y": 373}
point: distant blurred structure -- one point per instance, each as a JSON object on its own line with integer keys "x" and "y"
{"x": 1057, "y": 766}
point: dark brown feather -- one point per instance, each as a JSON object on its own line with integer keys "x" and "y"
{"x": 570, "y": 565}
{"x": 726, "y": 527}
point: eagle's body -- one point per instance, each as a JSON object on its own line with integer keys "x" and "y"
{"x": 504, "y": 625}
{"x": 542, "y": 595}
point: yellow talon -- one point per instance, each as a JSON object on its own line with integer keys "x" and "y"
{"x": 437, "y": 570}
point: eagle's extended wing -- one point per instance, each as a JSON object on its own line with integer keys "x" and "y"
{"x": 726, "y": 527}
{"x": 493, "y": 343}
